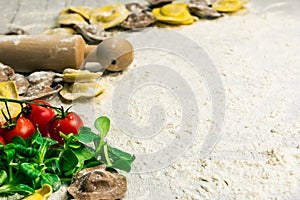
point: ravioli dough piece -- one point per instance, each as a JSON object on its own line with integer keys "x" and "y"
{"x": 174, "y": 13}
{"x": 21, "y": 82}
{"x": 60, "y": 31}
{"x": 203, "y": 10}
{"x": 73, "y": 75}
{"x": 41, "y": 194}
{"x": 109, "y": 16}
{"x": 92, "y": 33}
{"x": 228, "y": 5}
{"x": 139, "y": 17}
{"x": 98, "y": 183}
{"x": 70, "y": 19}
{"x": 81, "y": 90}
{"x": 83, "y": 11}
{"x": 41, "y": 86}
{"x": 157, "y": 3}
{"x": 8, "y": 89}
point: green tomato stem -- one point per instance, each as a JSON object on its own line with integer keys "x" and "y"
{"x": 6, "y": 106}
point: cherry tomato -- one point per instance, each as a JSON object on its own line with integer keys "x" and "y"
{"x": 2, "y": 140}
{"x": 24, "y": 128}
{"x": 40, "y": 116}
{"x": 71, "y": 123}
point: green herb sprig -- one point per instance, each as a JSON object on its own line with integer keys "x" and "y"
{"x": 26, "y": 165}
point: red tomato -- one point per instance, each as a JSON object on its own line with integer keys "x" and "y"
{"x": 2, "y": 140}
{"x": 24, "y": 128}
{"x": 69, "y": 124}
{"x": 40, "y": 116}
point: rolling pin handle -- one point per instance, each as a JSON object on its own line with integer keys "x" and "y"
{"x": 91, "y": 61}
{"x": 89, "y": 49}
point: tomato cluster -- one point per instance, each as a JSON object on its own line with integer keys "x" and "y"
{"x": 44, "y": 118}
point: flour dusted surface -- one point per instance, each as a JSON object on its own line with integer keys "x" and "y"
{"x": 257, "y": 155}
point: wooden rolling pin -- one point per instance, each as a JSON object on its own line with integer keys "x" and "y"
{"x": 28, "y": 53}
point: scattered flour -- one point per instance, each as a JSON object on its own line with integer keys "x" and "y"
{"x": 257, "y": 155}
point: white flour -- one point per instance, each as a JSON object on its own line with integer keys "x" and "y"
{"x": 257, "y": 155}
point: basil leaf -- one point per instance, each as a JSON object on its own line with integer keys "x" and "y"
{"x": 10, "y": 154}
{"x": 30, "y": 170}
{"x": 117, "y": 153}
{"x": 74, "y": 145}
{"x": 50, "y": 142}
{"x": 71, "y": 171}
{"x": 10, "y": 146}
{"x": 102, "y": 124}
{"x": 68, "y": 160}
{"x": 19, "y": 141}
{"x": 51, "y": 179}
{"x": 92, "y": 164}
{"x": 27, "y": 152}
{"x": 85, "y": 135}
{"x": 122, "y": 165}
{"x": 24, "y": 189}
{"x": 44, "y": 140}
{"x": 1, "y": 147}
{"x": 36, "y": 134}
{"x": 83, "y": 154}
{"x": 97, "y": 143}
{"x": 58, "y": 167}
{"x": 3, "y": 176}
{"x": 51, "y": 153}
